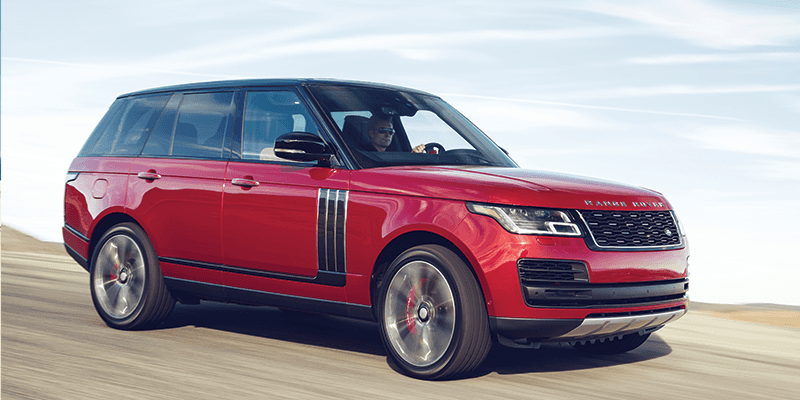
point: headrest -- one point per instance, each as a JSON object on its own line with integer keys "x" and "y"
{"x": 354, "y": 131}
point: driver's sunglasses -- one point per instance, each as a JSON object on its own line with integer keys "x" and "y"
{"x": 385, "y": 131}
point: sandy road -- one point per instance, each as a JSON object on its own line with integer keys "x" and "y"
{"x": 54, "y": 346}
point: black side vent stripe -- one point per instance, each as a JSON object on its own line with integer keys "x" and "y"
{"x": 331, "y": 229}
{"x": 341, "y": 219}
{"x": 322, "y": 261}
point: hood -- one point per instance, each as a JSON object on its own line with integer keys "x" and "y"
{"x": 511, "y": 186}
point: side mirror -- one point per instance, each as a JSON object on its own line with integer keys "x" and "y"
{"x": 302, "y": 146}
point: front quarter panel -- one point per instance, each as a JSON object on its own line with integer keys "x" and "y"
{"x": 374, "y": 220}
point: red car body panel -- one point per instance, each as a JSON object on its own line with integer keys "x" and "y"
{"x": 98, "y": 191}
{"x": 502, "y": 186}
{"x": 181, "y": 210}
{"x": 375, "y": 220}
{"x": 273, "y": 226}
{"x": 75, "y": 242}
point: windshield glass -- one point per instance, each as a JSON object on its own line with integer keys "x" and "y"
{"x": 383, "y": 127}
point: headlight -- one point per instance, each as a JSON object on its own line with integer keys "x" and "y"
{"x": 528, "y": 220}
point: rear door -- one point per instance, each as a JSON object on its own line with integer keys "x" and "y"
{"x": 175, "y": 187}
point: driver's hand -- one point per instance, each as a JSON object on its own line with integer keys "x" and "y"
{"x": 418, "y": 149}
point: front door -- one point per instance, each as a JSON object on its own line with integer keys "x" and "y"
{"x": 282, "y": 219}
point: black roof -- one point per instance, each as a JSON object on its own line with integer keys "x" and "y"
{"x": 239, "y": 83}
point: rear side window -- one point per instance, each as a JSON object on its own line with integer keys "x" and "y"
{"x": 125, "y": 127}
{"x": 199, "y": 129}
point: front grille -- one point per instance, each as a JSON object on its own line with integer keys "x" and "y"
{"x": 631, "y": 229}
{"x": 533, "y": 270}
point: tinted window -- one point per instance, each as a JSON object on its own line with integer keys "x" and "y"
{"x": 204, "y": 120}
{"x": 416, "y": 118}
{"x": 124, "y": 129}
{"x": 270, "y": 114}
{"x": 161, "y": 136}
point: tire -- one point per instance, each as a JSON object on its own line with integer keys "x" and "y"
{"x": 125, "y": 280}
{"x": 433, "y": 318}
{"x": 616, "y": 346}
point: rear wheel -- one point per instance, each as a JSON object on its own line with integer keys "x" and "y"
{"x": 433, "y": 317}
{"x": 616, "y": 346}
{"x": 127, "y": 288}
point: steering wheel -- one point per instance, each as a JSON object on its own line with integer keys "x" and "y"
{"x": 434, "y": 146}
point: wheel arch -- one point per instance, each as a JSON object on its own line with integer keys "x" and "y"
{"x": 103, "y": 225}
{"x": 406, "y": 241}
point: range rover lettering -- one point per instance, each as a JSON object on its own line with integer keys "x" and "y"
{"x": 367, "y": 201}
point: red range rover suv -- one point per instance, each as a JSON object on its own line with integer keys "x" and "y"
{"x": 367, "y": 201}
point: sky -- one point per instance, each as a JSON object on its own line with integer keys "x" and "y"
{"x": 697, "y": 99}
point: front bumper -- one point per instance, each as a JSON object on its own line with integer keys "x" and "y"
{"x": 583, "y": 282}
{"x": 570, "y": 330}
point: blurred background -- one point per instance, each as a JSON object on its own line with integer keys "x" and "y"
{"x": 697, "y": 99}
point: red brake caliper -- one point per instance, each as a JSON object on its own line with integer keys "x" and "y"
{"x": 114, "y": 272}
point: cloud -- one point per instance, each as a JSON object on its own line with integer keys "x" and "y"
{"x": 780, "y": 170}
{"x": 747, "y": 140}
{"x": 512, "y": 116}
{"x": 591, "y": 107}
{"x": 667, "y": 90}
{"x": 792, "y": 103}
{"x": 706, "y": 23}
{"x": 414, "y": 46}
{"x": 115, "y": 69}
{"x": 325, "y": 38}
{"x": 712, "y": 58}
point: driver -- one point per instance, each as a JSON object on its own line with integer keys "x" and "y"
{"x": 381, "y": 132}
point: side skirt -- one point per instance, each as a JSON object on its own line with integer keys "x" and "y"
{"x": 254, "y": 297}
{"x": 327, "y": 278}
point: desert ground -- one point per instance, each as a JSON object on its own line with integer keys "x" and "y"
{"x": 54, "y": 346}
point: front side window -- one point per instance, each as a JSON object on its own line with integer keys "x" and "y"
{"x": 385, "y": 127}
{"x": 268, "y": 115}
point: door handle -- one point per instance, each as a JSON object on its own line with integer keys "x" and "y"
{"x": 244, "y": 182}
{"x": 149, "y": 175}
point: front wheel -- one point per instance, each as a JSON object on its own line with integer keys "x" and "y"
{"x": 433, "y": 317}
{"x": 127, "y": 288}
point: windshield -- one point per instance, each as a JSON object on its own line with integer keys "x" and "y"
{"x": 383, "y": 127}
